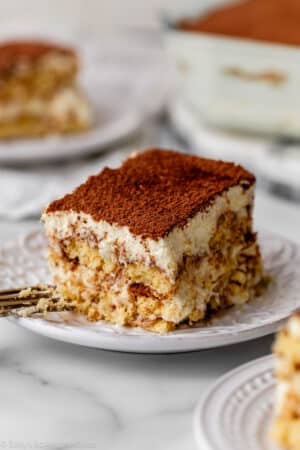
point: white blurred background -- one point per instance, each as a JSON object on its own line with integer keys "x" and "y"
{"x": 97, "y": 13}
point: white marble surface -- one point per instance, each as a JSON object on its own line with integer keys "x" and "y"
{"x": 58, "y": 396}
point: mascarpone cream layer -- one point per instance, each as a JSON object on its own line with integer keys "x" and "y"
{"x": 293, "y": 327}
{"x": 53, "y": 62}
{"x": 285, "y": 390}
{"x": 166, "y": 253}
{"x": 281, "y": 392}
{"x": 67, "y": 101}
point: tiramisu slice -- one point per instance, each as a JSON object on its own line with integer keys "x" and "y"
{"x": 286, "y": 427}
{"x": 163, "y": 240}
{"x": 38, "y": 90}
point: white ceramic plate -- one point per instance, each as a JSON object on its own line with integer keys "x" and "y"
{"x": 125, "y": 76}
{"x": 23, "y": 264}
{"x": 236, "y": 413}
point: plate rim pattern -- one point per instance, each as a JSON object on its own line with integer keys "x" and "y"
{"x": 16, "y": 257}
{"x": 260, "y": 378}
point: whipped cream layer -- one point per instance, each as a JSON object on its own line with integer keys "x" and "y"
{"x": 166, "y": 253}
{"x": 65, "y": 102}
{"x": 293, "y": 326}
{"x": 288, "y": 374}
{"x": 59, "y": 63}
{"x": 285, "y": 390}
{"x": 281, "y": 393}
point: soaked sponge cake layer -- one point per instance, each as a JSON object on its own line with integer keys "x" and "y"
{"x": 135, "y": 294}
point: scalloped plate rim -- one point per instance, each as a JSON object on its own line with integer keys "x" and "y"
{"x": 46, "y": 329}
{"x": 115, "y": 338}
{"x": 200, "y": 434}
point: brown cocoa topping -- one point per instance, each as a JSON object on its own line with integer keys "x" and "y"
{"x": 153, "y": 192}
{"x": 13, "y": 53}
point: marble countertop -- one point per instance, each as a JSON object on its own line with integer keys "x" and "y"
{"x": 58, "y": 396}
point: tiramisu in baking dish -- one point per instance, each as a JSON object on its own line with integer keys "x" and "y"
{"x": 38, "y": 90}
{"x": 275, "y": 21}
{"x": 286, "y": 427}
{"x": 235, "y": 63}
{"x": 164, "y": 240}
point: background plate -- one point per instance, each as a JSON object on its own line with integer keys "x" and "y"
{"x": 241, "y": 406}
{"x": 125, "y": 76}
{"x": 276, "y": 161}
{"x": 23, "y": 264}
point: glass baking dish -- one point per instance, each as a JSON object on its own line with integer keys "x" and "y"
{"x": 235, "y": 83}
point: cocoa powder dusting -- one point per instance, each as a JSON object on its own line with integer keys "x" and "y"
{"x": 15, "y": 52}
{"x": 274, "y": 21}
{"x": 153, "y": 192}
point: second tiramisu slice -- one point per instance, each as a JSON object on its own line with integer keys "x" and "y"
{"x": 39, "y": 92}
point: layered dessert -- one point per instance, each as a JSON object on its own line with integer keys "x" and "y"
{"x": 164, "y": 240}
{"x": 286, "y": 427}
{"x": 275, "y": 21}
{"x": 38, "y": 90}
